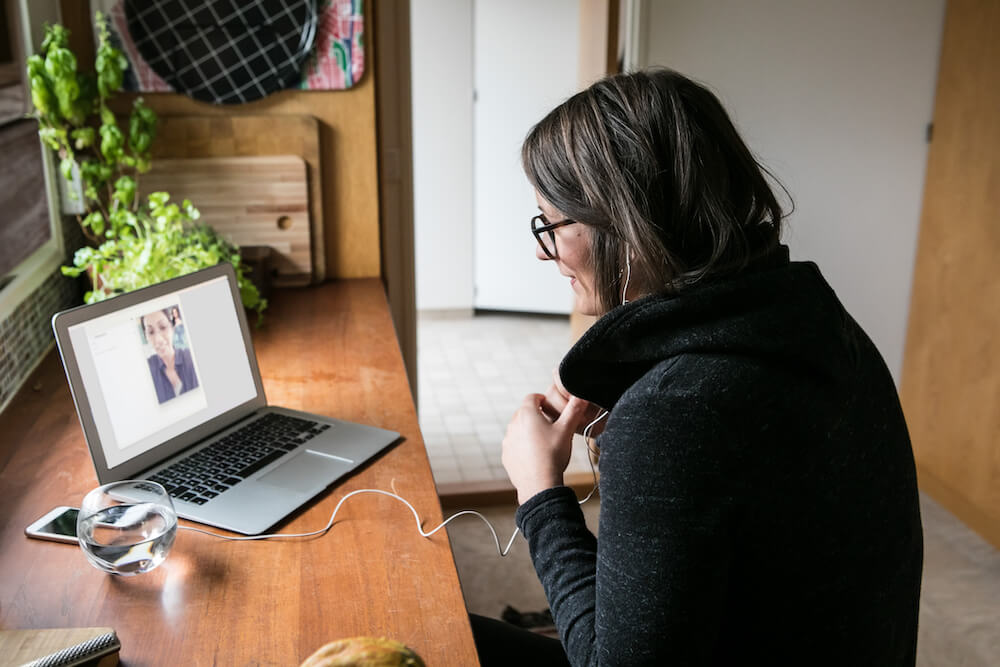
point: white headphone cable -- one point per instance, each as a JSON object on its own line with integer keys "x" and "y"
{"x": 391, "y": 494}
{"x": 628, "y": 275}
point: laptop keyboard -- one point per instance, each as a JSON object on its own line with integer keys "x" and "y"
{"x": 215, "y": 469}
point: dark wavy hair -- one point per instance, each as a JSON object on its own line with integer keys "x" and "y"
{"x": 651, "y": 162}
{"x": 142, "y": 321}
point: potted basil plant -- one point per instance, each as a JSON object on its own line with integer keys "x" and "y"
{"x": 132, "y": 241}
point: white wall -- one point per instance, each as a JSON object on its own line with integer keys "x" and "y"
{"x": 835, "y": 98}
{"x": 527, "y": 57}
{"x": 441, "y": 43}
{"x": 522, "y": 56}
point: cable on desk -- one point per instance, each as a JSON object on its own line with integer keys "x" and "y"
{"x": 329, "y": 524}
{"x": 391, "y": 494}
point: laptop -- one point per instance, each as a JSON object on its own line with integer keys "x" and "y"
{"x": 167, "y": 388}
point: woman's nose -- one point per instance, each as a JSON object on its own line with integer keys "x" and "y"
{"x": 540, "y": 254}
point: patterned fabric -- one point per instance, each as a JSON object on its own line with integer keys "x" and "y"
{"x": 139, "y": 76}
{"x": 338, "y": 57}
{"x": 336, "y": 62}
{"x": 224, "y": 51}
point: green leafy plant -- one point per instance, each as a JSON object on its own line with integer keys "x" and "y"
{"x": 131, "y": 243}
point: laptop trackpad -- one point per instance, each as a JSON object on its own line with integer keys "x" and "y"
{"x": 305, "y": 472}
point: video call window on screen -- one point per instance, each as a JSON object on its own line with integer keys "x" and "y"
{"x": 167, "y": 352}
{"x": 157, "y": 369}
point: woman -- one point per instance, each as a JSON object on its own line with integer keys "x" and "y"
{"x": 172, "y": 368}
{"x": 175, "y": 318}
{"x": 758, "y": 491}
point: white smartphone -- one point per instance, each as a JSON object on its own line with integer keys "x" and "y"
{"x": 58, "y": 525}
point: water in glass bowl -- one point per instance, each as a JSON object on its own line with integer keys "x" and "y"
{"x": 128, "y": 539}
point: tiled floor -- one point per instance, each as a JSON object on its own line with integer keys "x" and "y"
{"x": 473, "y": 372}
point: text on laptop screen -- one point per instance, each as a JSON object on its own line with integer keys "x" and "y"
{"x": 160, "y": 368}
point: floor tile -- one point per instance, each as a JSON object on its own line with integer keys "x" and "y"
{"x": 474, "y": 373}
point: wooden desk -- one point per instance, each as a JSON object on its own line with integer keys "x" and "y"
{"x": 328, "y": 349}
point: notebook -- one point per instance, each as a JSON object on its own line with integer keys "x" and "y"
{"x": 167, "y": 388}
{"x": 60, "y": 647}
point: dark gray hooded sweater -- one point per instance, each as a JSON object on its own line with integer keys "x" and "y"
{"x": 758, "y": 492}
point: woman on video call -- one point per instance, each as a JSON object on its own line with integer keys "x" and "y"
{"x": 757, "y": 486}
{"x": 171, "y": 367}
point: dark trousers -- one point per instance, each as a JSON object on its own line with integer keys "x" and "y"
{"x": 502, "y": 644}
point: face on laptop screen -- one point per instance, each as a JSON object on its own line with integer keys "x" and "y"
{"x": 159, "y": 368}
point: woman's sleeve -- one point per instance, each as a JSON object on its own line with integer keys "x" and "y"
{"x": 651, "y": 590}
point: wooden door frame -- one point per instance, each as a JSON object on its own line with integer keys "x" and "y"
{"x": 390, "y": 51}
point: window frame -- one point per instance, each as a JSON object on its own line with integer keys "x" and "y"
{"x": 40, "y": 264}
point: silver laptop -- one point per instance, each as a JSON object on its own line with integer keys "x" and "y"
{"x": 167, "y": 388}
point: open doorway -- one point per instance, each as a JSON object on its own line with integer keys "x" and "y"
{"x": 493, "y": 321}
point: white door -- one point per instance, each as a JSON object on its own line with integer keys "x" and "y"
{"x": 525, "y": 55}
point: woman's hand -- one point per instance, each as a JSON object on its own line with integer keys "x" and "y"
{"x": 556, "y": 399}
{"x": 536, "y": 449}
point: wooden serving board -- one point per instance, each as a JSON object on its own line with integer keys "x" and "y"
{"x": 187, "y": 137}
{"x": 249, "y": 200}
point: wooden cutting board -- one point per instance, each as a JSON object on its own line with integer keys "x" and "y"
{"x": 187, "y": 137}
{"x": 249, "y": 200}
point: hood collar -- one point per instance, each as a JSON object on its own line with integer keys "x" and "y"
{"x": 776, "y": 310}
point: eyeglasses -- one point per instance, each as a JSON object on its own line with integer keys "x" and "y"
{"x": 545, "y": 234}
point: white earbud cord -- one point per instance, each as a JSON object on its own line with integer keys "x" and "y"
{"x": 329, "y": 524}
{"x": 496, "y": 539}
{"x": 628, "y": 276}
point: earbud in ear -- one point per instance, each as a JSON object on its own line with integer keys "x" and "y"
{"x": 628, "y": 273}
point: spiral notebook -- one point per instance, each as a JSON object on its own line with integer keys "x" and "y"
{"x": 59, "y": 647}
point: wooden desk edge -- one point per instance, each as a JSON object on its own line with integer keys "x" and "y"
{"x": 29, "y": 419}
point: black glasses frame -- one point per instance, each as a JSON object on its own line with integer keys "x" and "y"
{"x": 540, "y": 226}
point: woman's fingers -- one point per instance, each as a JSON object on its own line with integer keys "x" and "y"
{"x": 553, "y": 403}
{"x": 574, "y": 414}
{"x": 557, "y": 382}
{"x": 556, "y": 397}
{"x": 536, "y": 449}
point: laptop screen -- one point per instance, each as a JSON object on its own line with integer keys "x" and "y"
{"x": 156, "y": 369}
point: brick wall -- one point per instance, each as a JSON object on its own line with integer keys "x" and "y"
{"x": 26, "y": 334}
